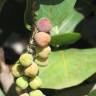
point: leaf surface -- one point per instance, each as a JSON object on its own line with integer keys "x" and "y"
{"x": 63, "y": 16}
{"x": 68, "y": 68}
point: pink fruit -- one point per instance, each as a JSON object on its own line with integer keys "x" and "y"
{"x": 44, "y": 24}
{"x": 42, "y": 39}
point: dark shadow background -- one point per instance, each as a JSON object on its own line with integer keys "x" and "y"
{"x": 87, "y": 27}
{"x": 12, "y": 28}
{"x": 50, "y": 2}
{"x": 12, "y": 22}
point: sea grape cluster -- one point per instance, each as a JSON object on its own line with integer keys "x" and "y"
{"x": 26, "y": 69}
{"x": 42, "y": 38}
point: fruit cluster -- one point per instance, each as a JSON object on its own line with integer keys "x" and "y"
{"x": 26, "y": 69}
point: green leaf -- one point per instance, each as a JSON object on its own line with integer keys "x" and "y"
{"x": 64, "y": 20}
{"x": 93, "y": 90}
{"x": 68, "y": 68}
{"x": 28, "y": 15}
{"x": 1, "y": 93}
{"x": 66, "y": 38}
{"x": 62, "y": 15}
{"x": 2, "y": 2}
{"x": 93, "y": 93}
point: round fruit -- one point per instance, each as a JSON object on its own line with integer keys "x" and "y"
{"x": 36, "y": 93}
{"x": 44, "y": 24}
{"x": 26, "y": 59}
{"x": 19, "y": 90}
{"x": 22, "y": 82}
{"x": 42, "y": 39}
{"x": 43, "y": 53}
{"x": 32, "y": 70}
{"x": 41, "y": 61}
{"x": 24, "y": 94}
{"x": 35, "y": 83}
{"x": 17, "y": 70}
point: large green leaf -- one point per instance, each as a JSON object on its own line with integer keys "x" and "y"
{"x": 68, "y": 68}
{"x": 63, "y": 16}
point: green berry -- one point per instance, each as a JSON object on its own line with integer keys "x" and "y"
{"x": 17, "y": 70}
{"x": 35, "y": 83}
{"x": 41, "y": 61}
{"x": 36, "y": 93}
{"x": 24, "y": 94}
{"x": 42, "y": 39}
{"x": 18, "y": 89}
{"x": 22, "y": 82}
{"x": 32, "y": 70}
{"x": 26, "y": 59}
{"x": 43, "y": 52}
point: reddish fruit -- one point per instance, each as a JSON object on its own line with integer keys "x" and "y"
{"x": 42, "y": 39}
{"x": 32, "y": 70}
{"x": 44, "y": 24}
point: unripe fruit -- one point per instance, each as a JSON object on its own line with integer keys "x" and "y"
{"x": 26, "y": 59}
{"x": 18, "y": 89}
{"x": 22, "y": 82}
{"x": 32, "y": 70}
{"x": 44, "y": 24}
{"x": 42, "y": 39}
{"x": 35, "y": 83}
{"x": 24, "y": 94}
{"x": 17, "y": 70}
{"x": 41, "y": 61}
{"x": 36, "y": 93}
{"x": 43, "y": 53}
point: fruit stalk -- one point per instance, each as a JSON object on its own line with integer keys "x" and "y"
{"x": 26, "y": 70}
